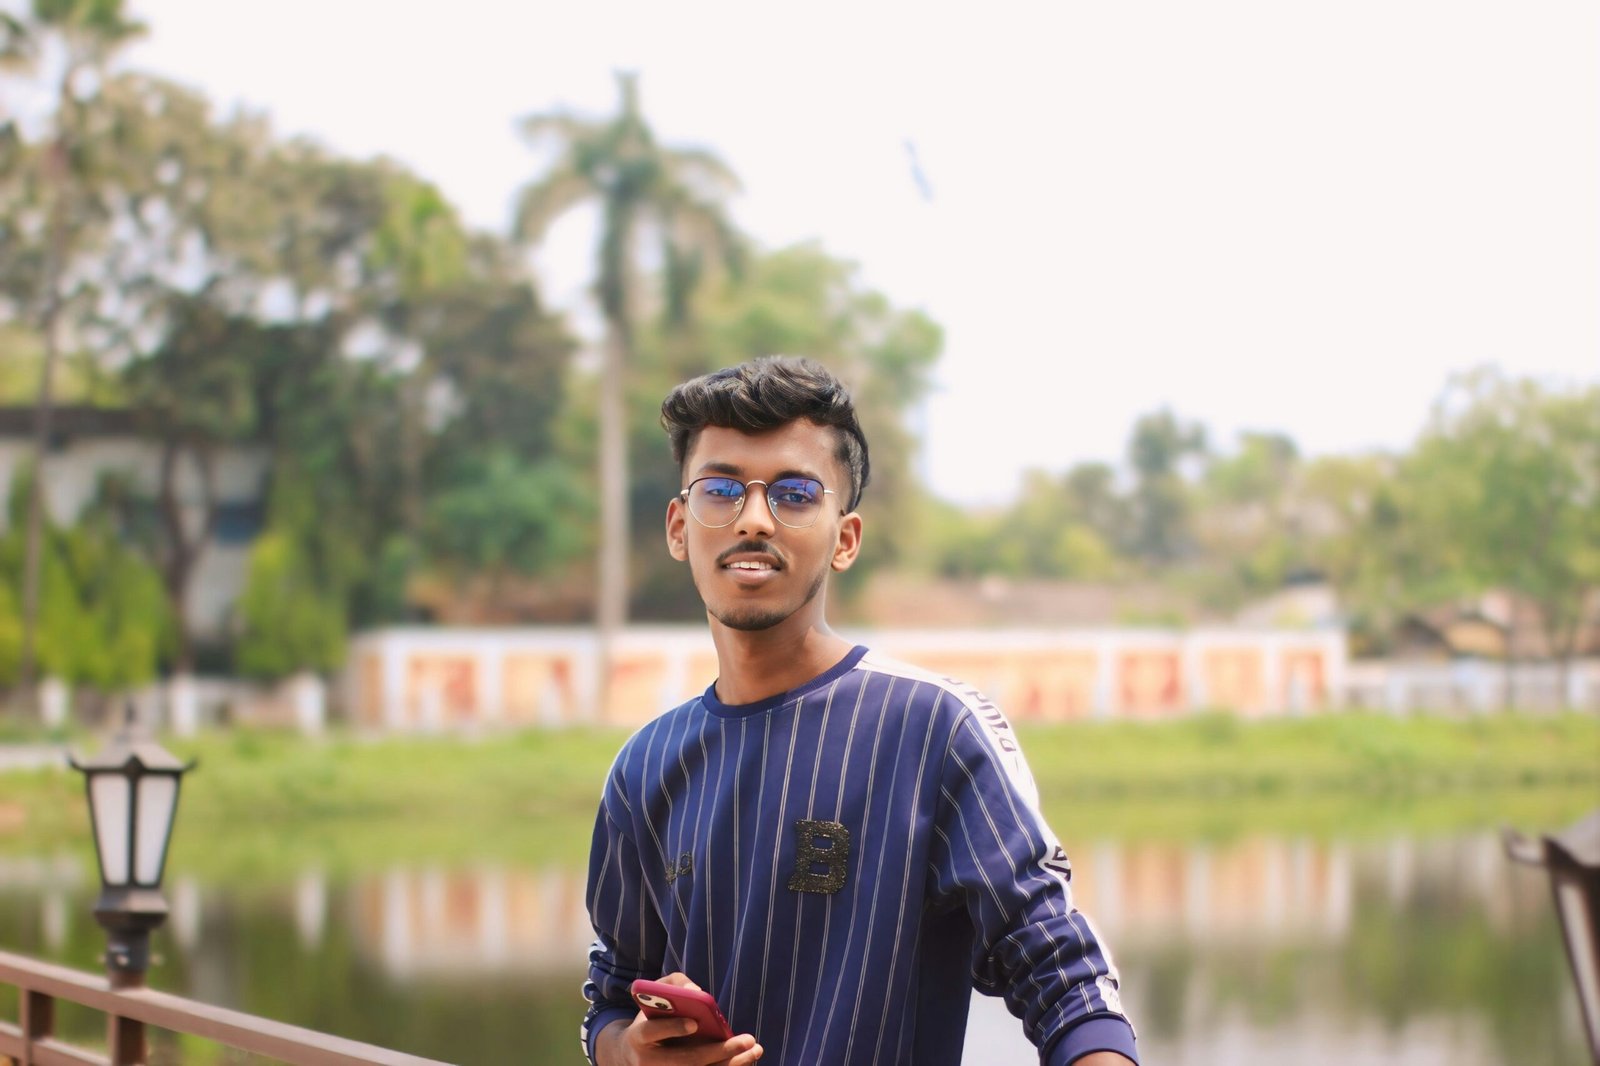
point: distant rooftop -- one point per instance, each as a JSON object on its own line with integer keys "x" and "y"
{"x": 70, "y": 420}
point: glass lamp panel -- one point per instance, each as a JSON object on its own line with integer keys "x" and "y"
{"x": 109, "y": 795}
{"x": 158, "y": 795}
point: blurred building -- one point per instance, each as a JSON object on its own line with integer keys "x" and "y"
{"x": 90, "y": 444}
{"x": 424, "y": 679}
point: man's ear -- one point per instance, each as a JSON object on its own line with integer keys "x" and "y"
{"x": 677, "y": 545}
{"x": 848, "y": 546}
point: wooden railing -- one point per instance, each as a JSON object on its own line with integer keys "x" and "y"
{"x": 32, "y": 1040}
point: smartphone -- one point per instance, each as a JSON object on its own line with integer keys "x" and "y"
{"x": 657, "y": 1000}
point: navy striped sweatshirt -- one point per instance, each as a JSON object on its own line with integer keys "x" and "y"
{"x": 838, "y": 865}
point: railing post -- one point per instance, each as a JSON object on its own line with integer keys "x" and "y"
{"x": 124, "y": 1036}
{"x": 38, "y": 1021}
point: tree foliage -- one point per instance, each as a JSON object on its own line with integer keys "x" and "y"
{"x": 104, "y": 620}
{"x": 425, "y": 423}
{"x": 1507, "y": 479}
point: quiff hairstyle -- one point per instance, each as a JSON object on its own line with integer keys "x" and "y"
{"x": 766, "y": 394}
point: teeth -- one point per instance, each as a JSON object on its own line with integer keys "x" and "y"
{"x": 749, "y": 566}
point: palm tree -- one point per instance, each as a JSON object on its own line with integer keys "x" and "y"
{"x": 644, "y": 191}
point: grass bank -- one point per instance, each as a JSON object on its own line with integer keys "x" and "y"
{"x": 267, "y": 799}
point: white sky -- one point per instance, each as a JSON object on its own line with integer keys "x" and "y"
{"x": 1264, "y": 213}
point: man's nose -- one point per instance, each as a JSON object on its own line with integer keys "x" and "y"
{"x": 755, "y": 517}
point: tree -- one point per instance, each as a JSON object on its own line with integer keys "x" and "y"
{"x": 51, "y": 184}
{"x": 1506, "y": 481}
{"x": 292, "y": 612}
{"x": 103, "y": 619}
{"x": 194, "y": 395}
{"x": 1156, "y": 449}
{"x": 500, "y": 518}
{"x": 1092, "y": 489}
{"x": 644, "y": 191}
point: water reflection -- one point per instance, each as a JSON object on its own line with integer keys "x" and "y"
{"x": 491, "y": 920}
{"x": 1411, "y": 949}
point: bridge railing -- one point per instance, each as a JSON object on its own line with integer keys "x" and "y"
{"x": 31, "y": 1040}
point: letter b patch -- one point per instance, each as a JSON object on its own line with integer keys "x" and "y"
{"x": 822, "y": 851}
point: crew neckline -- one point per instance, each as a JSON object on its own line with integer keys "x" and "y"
{"x": 744, "y": 710}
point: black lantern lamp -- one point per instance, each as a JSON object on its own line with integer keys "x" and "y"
{"x": 133, "y": 795}
{"x": 1572, "y": 859}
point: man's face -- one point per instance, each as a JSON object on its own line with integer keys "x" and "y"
{"x": 756, "y": 573}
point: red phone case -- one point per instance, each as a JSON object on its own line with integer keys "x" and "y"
{"x": 657, "y": 1000}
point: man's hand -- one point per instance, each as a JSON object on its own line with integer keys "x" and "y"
{"x": 1103, "y": 1058}
{"x": 654, "y": 1041}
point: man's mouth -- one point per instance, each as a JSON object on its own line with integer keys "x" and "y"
{"x": 750, "y": 559}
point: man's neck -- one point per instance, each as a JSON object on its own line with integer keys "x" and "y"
{"x": 755, "y": 665}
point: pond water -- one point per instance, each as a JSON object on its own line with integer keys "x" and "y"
{"x": 1405, "y": 948}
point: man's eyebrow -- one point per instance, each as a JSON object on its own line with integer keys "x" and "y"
{"x": 735, "y": 470}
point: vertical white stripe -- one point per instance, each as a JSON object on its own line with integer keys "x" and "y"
{"x": 738, "y": 803}
{"x": 711, "y": 863}
{"x": 855, "y": 897}
{"x": 877, "y": 885}
{"x": 665, "y": 860}
{"x": 777, "y": 852}
{"x": 838, "y": 810}
{"x": 799, "y": 915}
{"x": 895, "y": 954}
{"x": 741, "y": 918}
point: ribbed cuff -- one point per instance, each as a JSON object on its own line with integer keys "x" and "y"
{"x": 1102, "y": 1033}
{"x": 601, "y": 1019}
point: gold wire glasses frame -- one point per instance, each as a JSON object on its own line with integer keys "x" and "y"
{"x": 800, "y": 515}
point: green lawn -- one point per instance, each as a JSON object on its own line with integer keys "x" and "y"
{"x": 263, "y": 800}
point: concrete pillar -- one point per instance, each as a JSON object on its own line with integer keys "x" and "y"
{"x": 396, "y": 690}
{"x": 183, "y": 705}
{"x": 490, "y": 663}
{"x": 1277, "y": 700}
{"x": 1577, "y": 685}
{"x": 1197, "y": 696}
{"x": 55, "y": 702}
{"x": 1105, "y": 677}
{"x": 1397, "y": 696}
{"x": 308, "y": 695}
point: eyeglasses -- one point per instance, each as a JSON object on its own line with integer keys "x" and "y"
{"x": 716, "y": 501}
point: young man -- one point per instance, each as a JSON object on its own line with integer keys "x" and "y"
{"x": 836, "y": 846}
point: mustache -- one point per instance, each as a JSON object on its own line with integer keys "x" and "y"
{"x": 752, "y": 547}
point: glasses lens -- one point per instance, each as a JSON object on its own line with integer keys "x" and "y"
{"x": 796, "y": 501}
{"x": 715, "y": 501}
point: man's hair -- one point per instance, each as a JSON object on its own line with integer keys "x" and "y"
{"x": 765, "y": 394}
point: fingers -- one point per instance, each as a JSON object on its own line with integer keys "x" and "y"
{"x": 748, "y": 1057}
{"x": 680, "y": 980}
{"x": 740, "y": 1051}
{"x": 658, "y": 1030}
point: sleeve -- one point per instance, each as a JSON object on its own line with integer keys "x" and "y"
{"x": 993, "y": 854}
{"x": 629, "y": 939}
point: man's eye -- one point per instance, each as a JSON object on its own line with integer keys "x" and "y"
{"x": 724, "y": 489}
{"x": 795, "y": 495}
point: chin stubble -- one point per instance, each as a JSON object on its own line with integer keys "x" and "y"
{"x": 755, "y": 619}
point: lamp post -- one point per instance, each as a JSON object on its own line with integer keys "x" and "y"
{"x": 133, "y": 796}
{"x": 1572, "y": 859}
